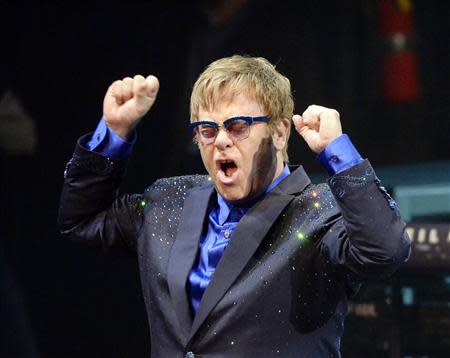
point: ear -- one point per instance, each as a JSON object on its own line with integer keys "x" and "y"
{"x": 280, "y": 131}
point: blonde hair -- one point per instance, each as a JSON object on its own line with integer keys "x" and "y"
{"x": 253, "y": 76}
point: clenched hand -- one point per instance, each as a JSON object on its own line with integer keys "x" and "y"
{"x": 318, "y": 126}
{"x": 127, "y": 101}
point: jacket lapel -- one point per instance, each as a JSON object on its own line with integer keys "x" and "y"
{"x": 248, "y": 235}
{"x": 184, "y": 251}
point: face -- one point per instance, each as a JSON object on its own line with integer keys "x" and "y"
{"x": 241, "y": 169}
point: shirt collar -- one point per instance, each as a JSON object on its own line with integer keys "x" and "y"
{"x": 225, "y": 207}
{"x": 279, "y": 178}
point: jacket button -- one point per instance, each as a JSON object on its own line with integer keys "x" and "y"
{"x": 189, "y": 355}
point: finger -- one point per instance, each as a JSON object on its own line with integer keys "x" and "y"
{"x": 310, "y": 136}
{"x": 316, "y": 109}
{"x": 311, "y": 118}
{"x": 330, "y": 115}
{"x": 298, "y": 122}
{"x": 127, "y": 88}
{"x": 330, "y": 124}
{"x": 301, "y": 127}
{"x": 146, "y": 91}
{"x": 114, "y": 93}
{"x": 139, "y": 85}
{"x": 152, "y": 86}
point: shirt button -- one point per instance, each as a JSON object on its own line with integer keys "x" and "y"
{"x": 226, "y": 234}
{"x": 189, "y": 355}
{"x": 334, "y": 158}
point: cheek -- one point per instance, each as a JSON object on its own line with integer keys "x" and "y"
{"x": 207, "y": 158}
{"x": 261, "y": 166}
{"x": 264, "y": 161}
{"x": 250, "y": 155}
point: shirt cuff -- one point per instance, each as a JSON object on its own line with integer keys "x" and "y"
{"x": 339, "y": 155}
{"x": 109, "y": 144}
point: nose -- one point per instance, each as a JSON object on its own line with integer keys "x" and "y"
{"x": 223, "y": 140}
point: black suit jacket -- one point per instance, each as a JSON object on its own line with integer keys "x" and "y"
{"x": 282, "y": 284}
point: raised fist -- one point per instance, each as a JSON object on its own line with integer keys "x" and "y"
{"x": 318, "y": 126}
{"x": 127, "y": 101}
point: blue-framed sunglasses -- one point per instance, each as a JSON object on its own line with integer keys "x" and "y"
{"x": 237, "y": 128}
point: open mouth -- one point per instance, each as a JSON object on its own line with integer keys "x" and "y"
{"x": 228, "y": 167}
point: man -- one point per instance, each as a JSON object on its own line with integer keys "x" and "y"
{"x": 252, "y": 260}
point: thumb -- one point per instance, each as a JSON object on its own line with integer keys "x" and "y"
{"x": 300, "y": 125}
{"x": 310, "y": 136}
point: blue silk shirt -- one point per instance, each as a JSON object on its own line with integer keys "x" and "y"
{"x": 223, "y": 219}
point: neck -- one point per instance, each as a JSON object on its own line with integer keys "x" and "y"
{"x": 279, "y": 166}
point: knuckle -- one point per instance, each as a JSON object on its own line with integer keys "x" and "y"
{"x": 316, "y": 109}
{"x": 114, "y": 85}
{"x": 127, "y": 81}
{"x": 311, "y": 108}
{"x": 332, "y": 113}
{"x": 140, "y": 85}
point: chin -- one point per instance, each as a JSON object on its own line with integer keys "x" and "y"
{"x": 230, "y": 194}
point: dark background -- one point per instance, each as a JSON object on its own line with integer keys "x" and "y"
{"x": 65, "y": 300}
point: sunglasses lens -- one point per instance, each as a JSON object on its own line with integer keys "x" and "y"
{"x": 206, "y": 133}
{"x": 238, "y": 129}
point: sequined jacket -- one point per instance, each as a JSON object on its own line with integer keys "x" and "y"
{"x": 282, "y": 285}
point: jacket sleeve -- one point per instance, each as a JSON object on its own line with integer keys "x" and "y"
{"x": 90, "y": 208}
{"x": 370, "y": 239}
